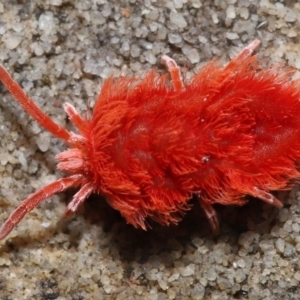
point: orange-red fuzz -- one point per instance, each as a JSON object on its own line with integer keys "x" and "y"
{"x": 152, "y": 143}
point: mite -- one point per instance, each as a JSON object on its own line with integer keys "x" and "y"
{"x": 153, "y": 142}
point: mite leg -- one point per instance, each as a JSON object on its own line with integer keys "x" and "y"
{"x": 79, "y": 198}
{"x": 244, "y": 54}
{"x": 76, "y": 119}
{"x": 28, "y": 104}
{"x": 248, "y": 50}
{"x": 35, "y": 199}
{"x": 174, "y": 71}
{"x": 267, "y": 197}
{"x": 211, "y": 215}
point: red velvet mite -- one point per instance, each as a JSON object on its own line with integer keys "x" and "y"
{"x": 153, "y": 142}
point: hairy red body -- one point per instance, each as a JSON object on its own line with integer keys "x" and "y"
{"x": 151, "y": 143}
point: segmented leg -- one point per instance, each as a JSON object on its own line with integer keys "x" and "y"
{"x": 211, "y": 215}
{"x": 32, "y": 201}
{"x": 85, "y": 191}
{"x": 76, "y": 118}
{"x": 244, "y": 54}
{"x": 248, "y": 50}
{"x": 267, "y": 197}
{"x": 174, "y": 71}
{"x": 28, "y": 104}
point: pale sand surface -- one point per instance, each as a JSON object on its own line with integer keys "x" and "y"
{"x": 61, "y": 51}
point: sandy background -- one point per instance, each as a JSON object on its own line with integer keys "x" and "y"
{"x": 62, "y": 50}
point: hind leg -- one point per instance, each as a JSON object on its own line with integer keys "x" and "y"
{"x": 266, "y": 197}
{"x": 211, "y": 215}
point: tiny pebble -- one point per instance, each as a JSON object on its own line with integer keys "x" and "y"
{"x": 211, "y": 274}
{"x": 232, "y": 36}
{"x": 178, "y": 19}
{"x": 230, "y": 12}
{"x": 46, "y": 22}
{"x": 12, "y": 41}
{"x": 174, "y": 38}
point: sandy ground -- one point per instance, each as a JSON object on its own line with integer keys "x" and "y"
{"x": 60, "y": 51}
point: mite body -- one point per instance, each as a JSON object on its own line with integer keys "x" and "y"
{"x": 152, "y": 143}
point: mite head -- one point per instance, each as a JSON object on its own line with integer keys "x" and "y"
{"x": 73, "y": 160}
{"x": 86, "y": 160}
